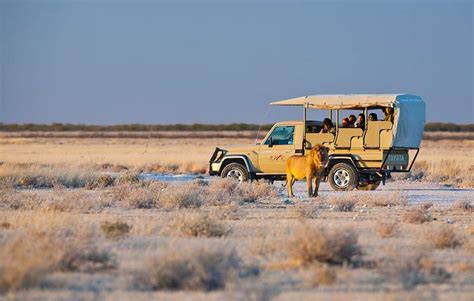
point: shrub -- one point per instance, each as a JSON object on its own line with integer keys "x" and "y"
{"x": 26, "y": 256}
{"x": 417, "y": 216}
{"x": 412, "y": 269}
{"x": 230, "y": 212}
{"x": 344, "y": 203}
{"x": 465, "y": 205}
{"x": 321, "y": 275}
{"x": 138, "y": 196}
{"x": 197, "y": 269}
{"x": 177, "y": 195}
{"x": 443, "y": 237}
{"x": 309, "y": 211}
{"x": 387, "y": 229}
{"x": 317, "y": 244}
{"x": 115, "y": 230}
{"x": 196, "y": 224}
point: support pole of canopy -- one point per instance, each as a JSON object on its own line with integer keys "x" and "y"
{"x": 304, "y": 127}
{"x": 337, "y": 120}
{"x": 330, "y": 114}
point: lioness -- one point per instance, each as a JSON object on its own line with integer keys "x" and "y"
{"x": 309, "y": 167}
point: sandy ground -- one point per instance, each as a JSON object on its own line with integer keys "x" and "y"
{"x": 415, "y": 192}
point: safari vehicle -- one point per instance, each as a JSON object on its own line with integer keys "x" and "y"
{"x": 359, "y": 158}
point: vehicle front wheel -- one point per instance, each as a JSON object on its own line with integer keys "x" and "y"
{"x": 236, "y": 171}
{"x": 343, "y": 177}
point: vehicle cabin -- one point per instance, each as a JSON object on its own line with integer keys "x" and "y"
{"x": 359, "y": 157}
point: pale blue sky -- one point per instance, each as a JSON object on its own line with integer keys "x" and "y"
{"x": 107, "y": 62}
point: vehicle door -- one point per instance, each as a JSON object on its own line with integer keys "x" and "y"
{"x": 277, "y": 147}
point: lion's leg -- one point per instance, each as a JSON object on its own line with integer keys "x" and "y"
{"x": 289, "y": 182}
{"x": 309, "y": 183}
{"x": 316, "y": 188}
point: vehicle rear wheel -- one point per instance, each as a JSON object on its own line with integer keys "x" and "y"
{"x": 368, "y": 186}
{"x": 343, "y": 177}
{"x": 235, "y": 171}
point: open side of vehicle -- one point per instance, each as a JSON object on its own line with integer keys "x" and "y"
{"x": 359, "y": 157}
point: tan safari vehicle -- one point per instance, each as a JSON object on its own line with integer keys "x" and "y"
{"x": 359, "y": 158}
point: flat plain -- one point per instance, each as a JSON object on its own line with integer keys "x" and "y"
{"x": 78, "y": 223}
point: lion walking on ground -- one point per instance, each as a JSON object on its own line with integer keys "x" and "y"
{"x": 310, "y": 166}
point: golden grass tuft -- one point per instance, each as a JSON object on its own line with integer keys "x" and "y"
{"x": 26, "y": 256}
{"x": 203, "y": 269}
{"x": 115, "y": 230}
{"x": 196, "y": 224}
{"x": 411, "y": 269}
{"x": 464, "y": 205}
{"x": 311, "y": 244}
{"x": 321, "y": 276}
{"x": 417, "y": 216}
{"x": 443, "y": 237}
{"x": 386, "y": 229}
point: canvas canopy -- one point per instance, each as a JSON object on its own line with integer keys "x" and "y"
{"x": 409, "y": 119}
{"x": 344, "y": 101}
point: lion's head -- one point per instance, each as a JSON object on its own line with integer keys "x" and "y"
{"x": 319, "y": 154}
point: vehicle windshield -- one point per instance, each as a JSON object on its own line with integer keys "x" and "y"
{"x": 281, "y": 135}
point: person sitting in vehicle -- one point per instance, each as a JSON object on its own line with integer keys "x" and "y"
{"x": 352, "y": 121}
{"x": 360, "y": 121}
{"x": 345, "y": 123}
{"x": 372, "y": 117}
{"x": 388, "y": 114}
{"x": 327, "y": 126}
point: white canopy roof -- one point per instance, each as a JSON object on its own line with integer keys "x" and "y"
{"x": 346, "y": 101}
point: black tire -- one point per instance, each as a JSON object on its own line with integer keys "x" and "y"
{"x": 236, "y": 171}
{"x": 343, "y": 177}
{"x": 369, "y": 186}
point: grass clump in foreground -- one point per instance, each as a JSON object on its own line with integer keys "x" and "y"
{"x": 411, "y": 270}
{"x": 386, "y": 229}
{"x": 444, "y": 237}
{"x": 196, "y": 224}
{"x": 417, "y": 216}
{"x": 25, "y": 257}
{"x": 204, "y": 269}
{"x": 115, "y": 230}
{"x": 318, "y": 244}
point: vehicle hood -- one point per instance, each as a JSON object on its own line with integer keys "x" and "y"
{"x": 241, "y": 149}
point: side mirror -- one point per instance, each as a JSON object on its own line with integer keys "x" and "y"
{"x": 270, "y": 143}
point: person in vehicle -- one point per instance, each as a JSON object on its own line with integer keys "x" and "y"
{"x": 352, "y": 121}
{"x": 361, "y": 121}
{"x": 327, "y": 126}
{"x": 372, "y": 117}
{"x": 388, "y": 114}
{"x": 345, "y": 123}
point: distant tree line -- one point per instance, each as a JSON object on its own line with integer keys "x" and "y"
{"x": 135, "y": 127}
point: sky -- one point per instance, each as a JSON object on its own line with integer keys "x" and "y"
{"x": 111, "y": 62}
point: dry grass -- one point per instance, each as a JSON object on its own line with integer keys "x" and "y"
{"x": 417, "y": 216}
{"x": 343, "y": 202}
{"x": 309, "y": 211}
{"x": 115, "y": 230}
{"x": 27, "y": 256}
{"x": 443, "y": 237}
{"x": 386, "y": 229}
{"x": 464, "y": 205}
{"x": 311, "y": 244}
{"x": 196, "y": 224}
{"x": 321, "y": 276}
{"x": 196, "y": 269}
{"x": 411, "y": 269}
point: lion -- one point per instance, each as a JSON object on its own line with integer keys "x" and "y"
{"x": 310, "y": 167}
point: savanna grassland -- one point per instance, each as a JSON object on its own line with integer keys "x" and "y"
{"x": 77, "y": 223}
